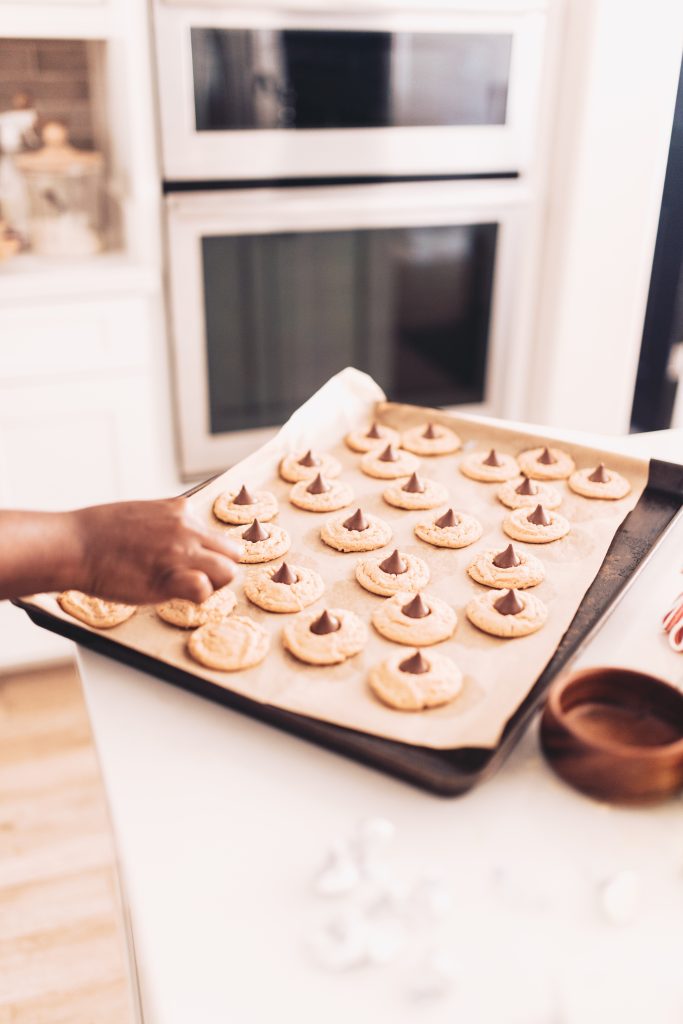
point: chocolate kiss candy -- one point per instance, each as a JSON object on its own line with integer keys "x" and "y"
{"x": 284, "y": 575}
{"x": 414, "y": 485}
{"x": 356, "y": 522}
{"x": 492, "y": 459}
{"x": 446, "y": 520}
{"x": 506, "y": 559}
{"x": 388, "y": 455}
{"x": 546, "y": 457}
{"x": 509, "y": 603}
{"x": 394, "y": 564}
{"x": 309, "y": 459}
{"x": 255, "y": 532}
{"x": 318, "y": 486}
{"x": 527, "y": 486}
{"x": 244, "y": 497}
{"x": 416, "y": 609}
{"x": 373, "y": 432}
{"x": 430, "y": 433}
{"x": 417, "y": 664}
{"x": 600, "y": 475}
{"x": 326, "y": 623}
{"x": 539, "y": 517}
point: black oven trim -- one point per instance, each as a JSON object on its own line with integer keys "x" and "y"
{"x": 216, "y": 185}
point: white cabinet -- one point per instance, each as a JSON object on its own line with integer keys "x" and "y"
{"x": 84, "y": 419}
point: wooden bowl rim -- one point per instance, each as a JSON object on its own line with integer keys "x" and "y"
{"x": 625, "y": 751}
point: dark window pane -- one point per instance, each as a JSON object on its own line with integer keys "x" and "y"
{"x": 250, "y": 79}
{"x": 285, "y": 312}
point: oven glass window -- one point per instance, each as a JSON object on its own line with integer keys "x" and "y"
{"x": 250, "y": 79}
{"x": 284, "y": 312}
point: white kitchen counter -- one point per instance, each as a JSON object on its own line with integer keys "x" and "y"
{"x": 221, "y": 823}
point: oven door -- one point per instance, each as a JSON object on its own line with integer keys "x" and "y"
{"x": 268, "y": 93}
{"x": 274, "y": 290}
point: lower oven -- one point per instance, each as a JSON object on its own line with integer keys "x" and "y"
{"x": 272, "y": 290}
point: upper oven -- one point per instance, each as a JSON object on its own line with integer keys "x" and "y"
{"x": 342, "y": 90}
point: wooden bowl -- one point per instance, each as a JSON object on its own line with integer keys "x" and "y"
{"x": 616, "y": 735}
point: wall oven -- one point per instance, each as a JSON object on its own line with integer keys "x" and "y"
{"x": 314, "y": 90}
{"x": 344, "y": 188}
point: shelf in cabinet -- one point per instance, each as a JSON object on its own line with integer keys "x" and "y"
{"x": 30, "y": 277}
{"x": 57, "y": 19}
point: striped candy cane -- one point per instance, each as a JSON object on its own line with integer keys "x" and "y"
{"x": 673, "y": 624}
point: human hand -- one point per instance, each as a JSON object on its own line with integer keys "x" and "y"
{"x": 142, "y": 552}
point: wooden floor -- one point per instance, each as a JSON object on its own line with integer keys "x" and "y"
{"x": 61, "y": 948}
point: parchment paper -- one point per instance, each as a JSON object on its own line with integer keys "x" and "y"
{"x": 498, "y": 673}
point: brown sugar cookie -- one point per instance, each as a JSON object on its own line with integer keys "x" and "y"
{"x": 415, "y": 682}
{"x": 599, "y": 482}
{"x": 489, "y": 467}
{"x": 283, "y": 588}
{"x": 230, "y": 645}
{"x": 393, "y": 573}
{"x": 506, "y": 569}
{"x": 94, "y": 611}
{"x": 546, "y": 463}
{"x": 320, "y": 495}
{"x": 357, "y": 532}
{"x": 189, "y": 615}
{"x": 418, "y": 620}
{"x": 388, "y": 463}
{"x": 241, "y": 506}
{"x": 260, "y": 543}
{"x": 536, "y": 526}
{"x": 372, "y": 436}
{"x": 507, "y": 614}
{"x": 307, "y": 465}
{"x": 450, "y": 529}
{"x": 415, "y": 493}
{"x": 430, "y": 439}
{"x": 523, "y": 492}
{"x": 325, "y": 638}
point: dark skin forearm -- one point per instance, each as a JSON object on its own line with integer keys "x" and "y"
{"x": 138, "y": 552}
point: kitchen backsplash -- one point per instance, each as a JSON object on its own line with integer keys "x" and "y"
{"x": 55, "y": 73}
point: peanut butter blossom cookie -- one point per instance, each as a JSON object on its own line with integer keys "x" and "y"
{"x": 450, "y": 530}
{"x": 358, "y": 532}
{"x": 307, "y": 465}
{"x": 387, "y": 576}
{"x": 417, "y": 681}
{"x": 430, "y": 439}
{"x": 287, "y": 588}
{"x": 374, "y": 435}
{"x": 242, "y": 506}
{"x": 506, "y": 569}
{"x": 509, "y": 614}
{"x": 599, "y": 482}
{"x": 94, "y": 611}
{"x": 388, "y": 463}
{"x": 260, "y": 543}
{"x": 189, "y": 615}
{"x": 415, "y": 619}
{"x": 320, "y": 495}
{"x": 230, "y": 645}
{"x": 325, "y": 638}
{"x": 536, "y": 527}
{"x": 524, "y": 493}
{"x": 416, "y": 493}
{"x": 489, "y": 467}
{"x": 546, "y": 463}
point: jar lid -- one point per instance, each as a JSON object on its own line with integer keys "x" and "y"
{"x": 57, "y": 156}
{"x": 615, "y": 734}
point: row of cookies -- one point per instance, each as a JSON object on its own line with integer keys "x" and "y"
{"x": 430, "y": 439}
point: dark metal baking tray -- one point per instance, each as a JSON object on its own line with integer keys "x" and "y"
{"x": 446, "y": 772}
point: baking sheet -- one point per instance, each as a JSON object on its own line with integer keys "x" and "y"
{"x": 498, "y": 673}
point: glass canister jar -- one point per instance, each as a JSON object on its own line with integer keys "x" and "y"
{"x": 66, "y": 199}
